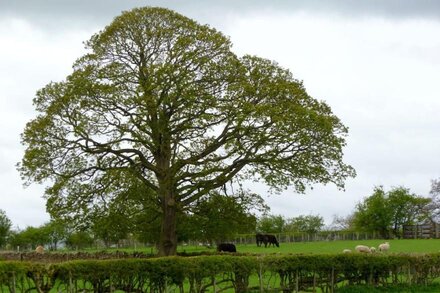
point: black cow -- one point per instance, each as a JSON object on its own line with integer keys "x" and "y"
{"x": 226, "y": 247}
{"x": 272, "y": 240}
{"x": 260, "y": 238}
{"x": 267, "y": 239}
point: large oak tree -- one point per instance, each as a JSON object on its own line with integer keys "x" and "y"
{"x": 163, "y": 100}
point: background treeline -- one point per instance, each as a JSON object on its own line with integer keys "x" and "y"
{"x": 220, "y": 217}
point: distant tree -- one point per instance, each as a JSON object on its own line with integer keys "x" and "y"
{"x": 386, "y": 213}
{"x": 79, "y": 240}
{"x": 147, "y": 226}
{"x": 5, "y": 228}
{"x": 163, "y": 99}
{"x": 112, "y": 225}
{"x": 15, "y": 240}
{"x": 56, "y": 231}
{"x": 372, "y": 215}
{"x": 271, "y": 224}
{"x": 341, "y": 223}
{"x": 29, "y": 238}
{"x": 434, "y": 206}
{"x": 309, "y": 224}
{"x": 407, "y": 208}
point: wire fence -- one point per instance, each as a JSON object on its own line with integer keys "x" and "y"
{"x": 309, "y": 237}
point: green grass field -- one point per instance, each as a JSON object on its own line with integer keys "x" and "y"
{"x": 319, "y": 247}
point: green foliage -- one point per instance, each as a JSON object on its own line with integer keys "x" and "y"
{"x": 242, "y": 273}
{"x": 219, "y": 218}
{"x": 49, "y": 234}
{"x": 10, "y": 273}
{"x": 402, "y": 288}
{"x": 55, "y": 231}
{"x": 29, "y": 238}
{"x": 147, "y": 226}
{"x": 372, "y": 215}
{"x": 5, "y": 227}
{"x": 407, "y": 208}
{"x": 271, "y": 224}
{"x": 112, "y": 226}
{"x": 162, "y": 102}
{"x": 310, "y": 224}
{"x": 79, "y": 240}
{"x": 386, "y": 213}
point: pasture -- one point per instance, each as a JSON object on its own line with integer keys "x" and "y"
{"x": 331, "y": 247}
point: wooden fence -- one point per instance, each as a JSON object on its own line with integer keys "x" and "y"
{"x": 425, "y": 231}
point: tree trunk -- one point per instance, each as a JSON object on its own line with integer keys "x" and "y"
{"x": 168, "y": 236}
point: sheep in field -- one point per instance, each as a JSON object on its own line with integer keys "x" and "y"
{"x": 346, "y": 251}
{"x": 362, "y": 248}
{"x": 384, "y": 247}
{"x": 373, "y": 249}
{"x": 39, "y": 249}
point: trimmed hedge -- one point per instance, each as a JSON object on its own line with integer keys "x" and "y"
{"x": 242, "y": 273}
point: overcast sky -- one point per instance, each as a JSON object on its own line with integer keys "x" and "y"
{"x": 376, "y": 63}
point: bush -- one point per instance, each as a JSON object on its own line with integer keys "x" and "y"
{"x": 243, "y": 273}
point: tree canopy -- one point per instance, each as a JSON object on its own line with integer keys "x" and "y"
{"x": 434, "y": 206}
{"x": 163, "y": 101}
{"x": 387, "y": 212}
{"x": 5, "y": 227}
{"x": 218, "y": 218}
{"x": 271, "y": 224}
{"x": 305, "y": 223}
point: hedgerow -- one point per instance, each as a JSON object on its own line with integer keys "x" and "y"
{"x": 240, "y": 273}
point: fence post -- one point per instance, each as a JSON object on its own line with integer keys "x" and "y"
{"x": 332, "y": 289}
{"x": 297, "y": 282}
{"x": 314, "y": 281}
{"x": 70, "y": 282}
{"x": 13, "y": 282}
{"x": 260, "y": 276}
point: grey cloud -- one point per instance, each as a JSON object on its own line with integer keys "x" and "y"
{"x": 101, "y": 12}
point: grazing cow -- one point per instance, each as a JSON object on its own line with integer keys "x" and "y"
{"x": 267, "y": 239}
{"x": 226, "y": 247}
{"x": 272, "y": 240}
{"x": 261, "y": 238}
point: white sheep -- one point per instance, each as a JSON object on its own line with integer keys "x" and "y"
{"x": 346, "y": 251}
{"x": 362, "y": 248}
{"x": 372, "y": 249}
{"x": 39, "y": 249}
{"x": 384, "y": 247}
